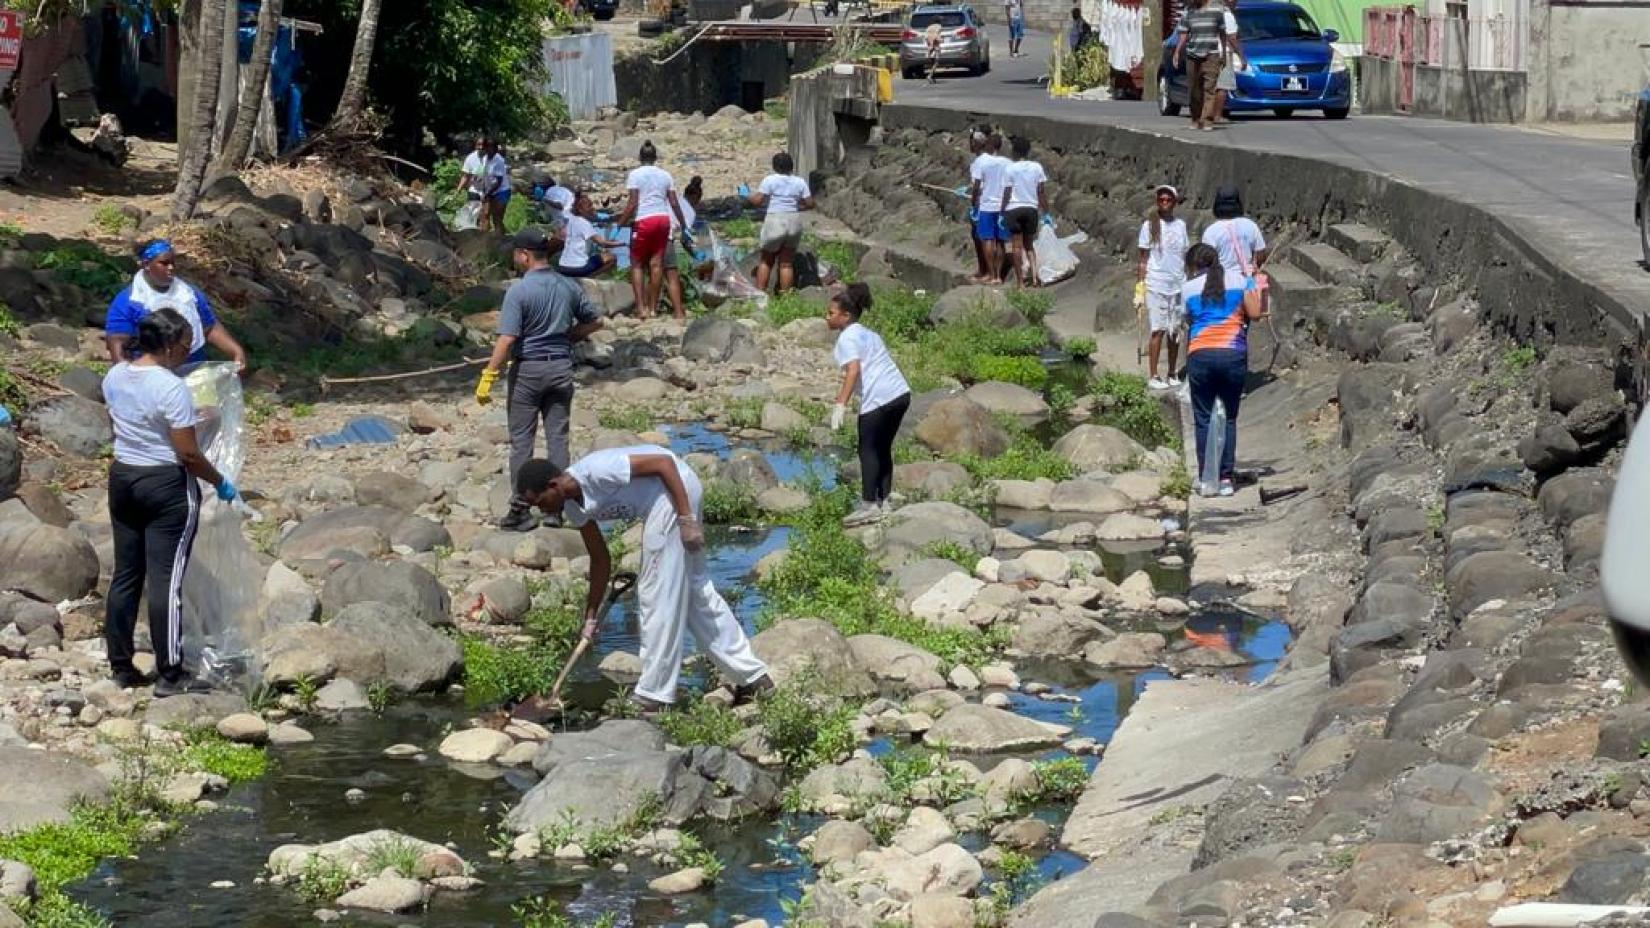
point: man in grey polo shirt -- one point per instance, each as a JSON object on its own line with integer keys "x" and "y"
{"x": 544, "y": 313}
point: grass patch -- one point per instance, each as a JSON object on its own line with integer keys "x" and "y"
{"x": 788, "y": 307}
{"x": 110, "y": 220}
{"x": 923, "y": 776}
{"x": 1079, "y": 348}
{"x": 698, "y": 721}
{"x": 496, "y": 672}
{"x": 626, "y": 420}
{"x": 1178, "y": 484}
{"x": 1518, "y": 359}
{"x": 86, "y": 266}
{"x": 829, "y": 575}
{"x": 777, "y": 108}
{"x": 957, "y": 554}
{"x": 744, "y": 412}
{"x": 1027, "y": 372}
{"x": 841, "y": 256}
{"x": 209, "y": 752}
{"x": 728, "y": 503}
{"x": 394, "y": 852}
{"x": 1025, "y": 459}
{"x": 739, "y": 227}
{"x": 1126, "y": 405}
{"x": 8, "y": 322}
{"x": 1032, "y": 304}
{"x": 969, "y": 351}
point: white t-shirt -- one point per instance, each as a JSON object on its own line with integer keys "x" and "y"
{"x": 475, "y": 165}
{"x": 575, "y": 253}
{"x": 1016, "y": 10}
{"x": 652, "y": 186}
{"x": 987, "y": 170}
{"x": 880, "y": 381}
{"x": 1022, "y": 178}
{"x": 1165, "y": 263}
{"x": 499, "y": 169}
{"x": 609, "y": 493}
{"x": 1237, "y": 240}
{"x": 785, "y": 192}
{"x": 145, "y": 403}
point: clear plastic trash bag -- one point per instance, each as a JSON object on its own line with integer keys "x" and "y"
{"x": 727, "y": 280}
{"x": 1055, "y": 259}
{"x": 467, "y": 216}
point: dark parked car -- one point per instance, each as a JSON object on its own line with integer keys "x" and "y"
{"x": 600, "y": 9}
{"x": 963, "y": 42}
{"x": 1641, "y": 170}
{"x": 1288, "y": 65}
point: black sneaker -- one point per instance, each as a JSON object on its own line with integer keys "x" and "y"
{"x": 131, "y": 679}
{"x": 180, "y": 686}
{"x": 753, "y": 690}
{"x": 518, "y": 520}
{"x": 646, "y": 709}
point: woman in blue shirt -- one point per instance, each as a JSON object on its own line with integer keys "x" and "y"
{"x": 1220, "y": 303}
{"x": 156, "y": 287}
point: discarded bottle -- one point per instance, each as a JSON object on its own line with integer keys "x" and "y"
{"x": 5, "y": 417}
{"x": 1214, "y": 444}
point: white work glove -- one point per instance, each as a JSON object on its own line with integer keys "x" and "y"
{"x": 838, "y": 413}
{"x": 693, "y": 534}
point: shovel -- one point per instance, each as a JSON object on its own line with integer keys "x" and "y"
{"x": 540, "y": 708}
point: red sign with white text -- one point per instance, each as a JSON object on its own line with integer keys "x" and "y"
{"x": 11, "y": 39}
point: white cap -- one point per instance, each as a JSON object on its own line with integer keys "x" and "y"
{"x": 1162, "y": 187}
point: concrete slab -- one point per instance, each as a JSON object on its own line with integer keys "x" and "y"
{"x": 1327, "y": 264}
{"x": 1121, "y": 884}
{"x": 1357, "y": 240}
{"x": 1181, "y": 745}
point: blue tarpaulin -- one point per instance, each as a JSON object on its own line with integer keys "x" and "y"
{"x": 362, "y": 430}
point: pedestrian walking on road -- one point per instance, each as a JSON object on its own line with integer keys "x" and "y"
{"x": 651, "y": 207}
{"x": 154, "y": 500}
{"x": 1016, "y": 10}
{"x": 676, "y": 593}
{"x": 785, "y": 196}
{"x": 1204, "y": 32}
{"x": 1160, "y": 275}
{"x": 1078, "y": 32}
{"x": 1239, "y": 240}
{"x": 154, "y": 287}
{"x": 1024, "y": 204}
{"x": 1220, "y": 303}
{"x": 985, "y": 205}
{"x": 932, "y": 38}
{"x": 884, "y": 397}
{"x": 1232, "y": 61}
{"x": 543, "y": 316}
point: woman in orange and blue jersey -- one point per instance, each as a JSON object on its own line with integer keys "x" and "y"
{"x": 1220, "y": 302}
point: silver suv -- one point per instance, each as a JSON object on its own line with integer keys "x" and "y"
{"x": 963, "y": 42}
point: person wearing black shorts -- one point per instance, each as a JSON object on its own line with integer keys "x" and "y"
{"x": 1024, "y": 201}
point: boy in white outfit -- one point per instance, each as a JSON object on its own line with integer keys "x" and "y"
{"x": 1159, "y": 275}
{"x": 650, "y": 483}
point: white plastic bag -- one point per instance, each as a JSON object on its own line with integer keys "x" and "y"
{"x": 1214, "y": 445}
{"x": 727, "y": 281}
{"x": 467, "y": 216}
{"x": 1055, "y": 259}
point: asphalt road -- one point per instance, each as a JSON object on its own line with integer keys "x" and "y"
{"x": 1571, "y": 198}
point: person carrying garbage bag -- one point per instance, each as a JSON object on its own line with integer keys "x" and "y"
{"x": 676, "y": 592}
{"x": 154, "y": 499}
{"x": 1220, "y": 303}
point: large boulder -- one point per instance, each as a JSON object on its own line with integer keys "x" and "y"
{"x": 42, "y": 786}
{"x": 314, "y": 536}
{"x": 749, "y": 469}
{"x": 1099, "y": 448}
{"x": 401, "y": 584}
{"x": 1060, "y": 635}
{"x": 11, "y": 464}
{"x": 392, "y": 491}
{"x": 1092, "y": 496}
{"x": 1010, "y": 399}
{"x": 73, "y": 423}
{"x": 909, "y": 531}
{"x": 948, "y": 870}
{"x": 368, "y": 642}
{"x": 975, "y": 303}
{"x": 891, "y": 661}
{"x": 720, "y": 341}
{"x": 958, "y": 425}
{"x": 794, "y": 647}
{"x": 46, "y": 562}
{"x": 975, "y": 729}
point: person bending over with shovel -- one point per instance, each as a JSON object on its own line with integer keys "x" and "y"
{"x": 676, "y": 594}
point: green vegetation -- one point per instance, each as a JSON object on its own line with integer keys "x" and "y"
{"x": 777, "y": 108}
{"x": 1079, "y": 348}
{"x": 788, "y": 307}
{"x": 970, "y": 351}
{"x": 951, "y": 551}
{"x": 1178, "y": 484}
{"x": 111, "y": 221}
{"x": 698, "y": 721}
{"x": 509, "y": 671}
{"x": 728, "y": 503}
{"x": 322, "y": 880}
{"x": 1017, "y": 879}
{"x": 743, "y": 413}
{"x": 546, "y": 912}
{"x": 1061, "y": 779}
{"x": 1025, "y": 459}
{"x": 829, "y": 575}
{"x": 380, "y": 693}
{"x": 1518, "y": 359}
{"x": 305, "y": 689}
{"x": 924, "y": 776}
{"x": 209, "y": 752}
{"x": 630, "y": 419}
{"x": 86, "y": 266}
{"x": 603, "y": 841}
{"x": 691, "y": 852}
{"x": 739, "y": 227}
{"x": 842, "y": 257}
{"x": 397, "y": 852}
{"x": 1027, "y": 372}
{"x": 347, "y": 355}
{"x": 1032, "y": 304}
{"x": 10, "y": 234}
{"x": 8, "y": 322}
{"x": 1126, "y": 405}
{"x": 807, "y": 725}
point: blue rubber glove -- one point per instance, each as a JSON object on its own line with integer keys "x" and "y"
{"x": 227, "y": 491}
{"x": 744, "y": 191}
{"x": 973, "y": 214}
{"x": 1048, "y": 220}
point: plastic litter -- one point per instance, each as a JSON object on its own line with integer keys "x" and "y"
{"x": 1055, "y": 259}
{"x": 5, "y": 417}
{"x": 224, "y": 582}
{"x": 1214, "y": 444}
{"x": 728, "y": 281}
{"x": 467, "y": 216}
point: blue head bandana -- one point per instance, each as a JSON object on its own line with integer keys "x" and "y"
{"x": 154, "y": 250}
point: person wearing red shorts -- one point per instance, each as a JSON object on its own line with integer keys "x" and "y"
{"x": 648, "y": 212}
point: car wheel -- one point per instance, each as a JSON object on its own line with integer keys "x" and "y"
{"x": 1165, "y": 106}
{"x": 1283, "y": 113}
{"x": 1644, "y": 220}
{"x": 986, "y": 68}
{"x": 909, "y": 74}
{"x": 1339, "y": 112}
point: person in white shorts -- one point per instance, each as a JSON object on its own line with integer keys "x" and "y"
{"x": 1159, "y": 275}
{"x": 785, "y": 196}
{"x": 677, "y": 595}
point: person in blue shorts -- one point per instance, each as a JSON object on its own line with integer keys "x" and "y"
{"x": 986, "y": 197}
{"x": 157, "y": 286}
{"x": 497, "y": 184}
{"x": 1016, "y": 25}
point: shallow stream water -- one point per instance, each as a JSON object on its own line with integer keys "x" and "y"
{"x": 302, "y": 799}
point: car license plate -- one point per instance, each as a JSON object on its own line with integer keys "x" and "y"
{"x": 1294, "y": 85}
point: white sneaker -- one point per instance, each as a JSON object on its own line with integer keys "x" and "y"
{"x": 1174, "y": 381}
{"x": 863, "y": 514}
{"x": 1226, "y": 488}
{"x": 1158, "y": 383}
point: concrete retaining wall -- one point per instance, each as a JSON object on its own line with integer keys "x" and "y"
{"x": 1472, "y": 96}
{"x": 1584, "y": 61}
{"x": 1524, "y": 293}
{"x": 829, "y": 112}
{"x": 709, "y": 76}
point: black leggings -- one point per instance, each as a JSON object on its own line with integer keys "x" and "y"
{"x": 155, "y": 511}
{"x": 877, "y": 429}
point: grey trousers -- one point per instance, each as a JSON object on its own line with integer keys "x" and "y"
{"x": 539, "y": 390}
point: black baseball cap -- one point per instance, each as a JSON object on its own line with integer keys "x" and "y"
{"x": 531, "y": 238}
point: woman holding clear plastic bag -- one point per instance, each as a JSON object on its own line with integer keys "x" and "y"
{"x": 1220, "y": 303}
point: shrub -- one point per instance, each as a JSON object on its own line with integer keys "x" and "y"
{"x": 727, "y": 503}
{"x": 898, "y": 315}
{"x": 788, "y": 307}
{"x": 1032, "y": 304}
{"x": 957, "y": 554}
{"x": 699, "y": 721}
{"x": 1027, "y": 372}
{"x": 1126, "y": 405}
{"x": 110, "y": 220}
{"x": 806, "y": 726}
{"x": 631, "y": 419}
{"x": 8, "y": 322}
{"x": 1079, "y": 348}
{"x": 1025, "y": 459}
{"x": 743, "y": 413}
{"x": 1178, "y": 484}
{"x": 85, "y": 266}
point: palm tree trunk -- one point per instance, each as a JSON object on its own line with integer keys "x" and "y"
{"x": 192, "y": 160}
{"x": 354, "y": 99}
{"x": 253, "y": 89}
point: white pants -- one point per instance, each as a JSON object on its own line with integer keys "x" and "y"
{"x": 677, "y": 596}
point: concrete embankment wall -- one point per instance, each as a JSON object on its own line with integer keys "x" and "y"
{"x": 710, "y": 75}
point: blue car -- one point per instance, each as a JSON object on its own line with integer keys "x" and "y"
{"x": 1288, "y": 65}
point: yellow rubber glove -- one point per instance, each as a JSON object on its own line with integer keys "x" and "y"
{"x": 484, "y": 388}
{"x": 1139, "y": 293}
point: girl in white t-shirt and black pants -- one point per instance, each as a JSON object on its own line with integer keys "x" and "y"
{"x": 884, "y": 397}
{"x": 154, "y": 501}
